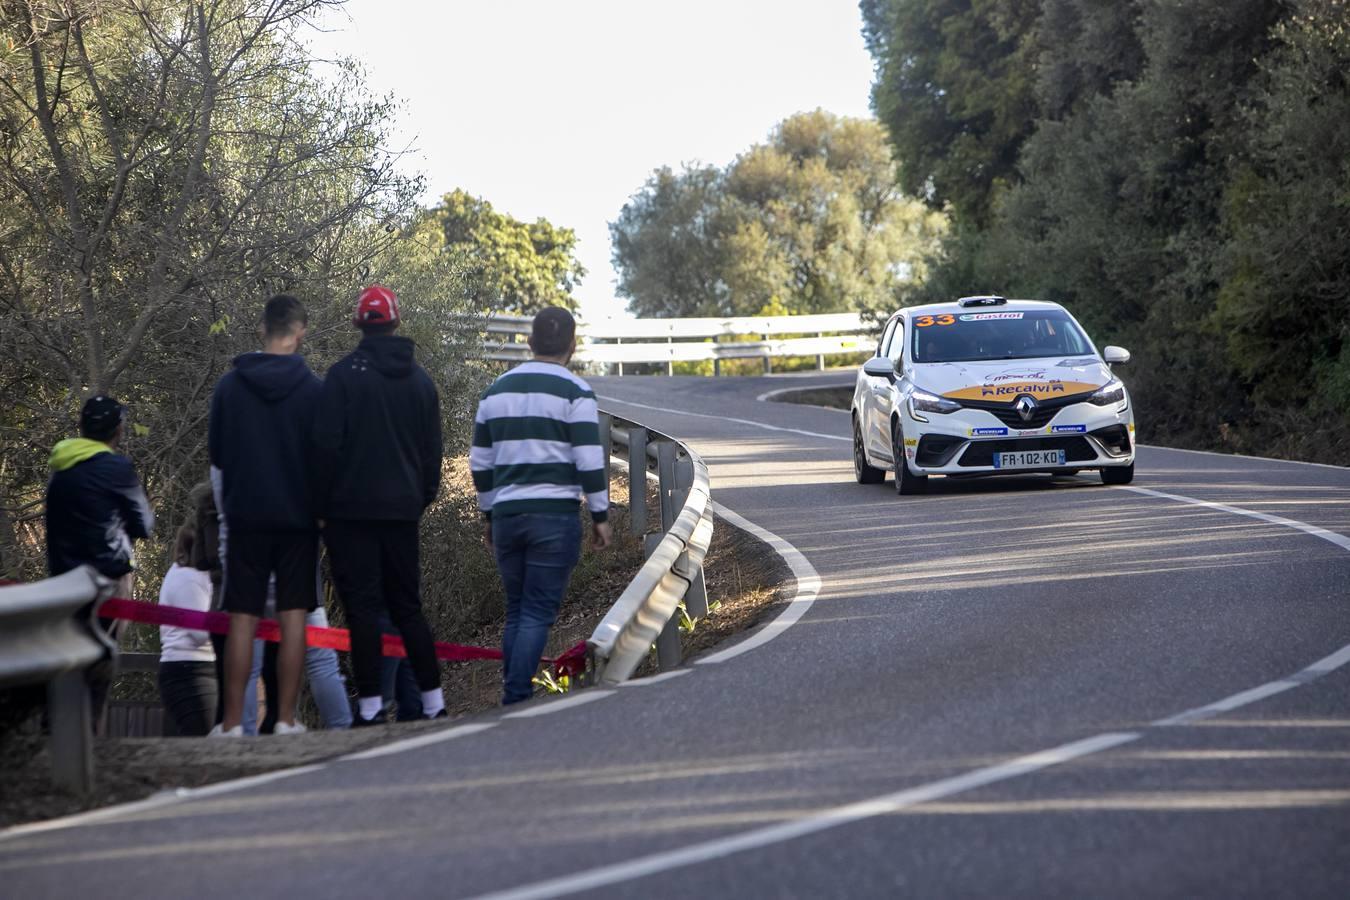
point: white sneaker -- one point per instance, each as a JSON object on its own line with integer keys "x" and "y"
{"x": 283, "y": 728}
{"x": 219, "y": 732}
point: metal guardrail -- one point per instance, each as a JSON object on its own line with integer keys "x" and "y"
{"x": 693, "y": 340}
{"x": 645, "y": 613}
{"x": 44, "y": 640}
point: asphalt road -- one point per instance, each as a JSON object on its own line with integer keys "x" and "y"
{"x": 1006, "y": 687}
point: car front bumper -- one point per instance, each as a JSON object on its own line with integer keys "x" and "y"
{"x": 965, "y": 442}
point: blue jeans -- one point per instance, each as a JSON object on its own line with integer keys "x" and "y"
{"x": 398, "y": 682}
{"x": 325, "y": 682}
{"x": 536, "y": 553}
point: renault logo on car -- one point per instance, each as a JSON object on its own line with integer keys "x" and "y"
{"x": 1025, "y": 406}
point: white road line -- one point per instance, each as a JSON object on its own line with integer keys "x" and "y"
{"x": 163, "y": 798}
{"x": 808, "y": 588}
{"x": 655, "y": 679}
{"x": 821, "y": 821}
{"x": 1270, "y": 688}
{"x": 1291, "y": 462}
{"x": 1339, "y": 540}
{"x": 545, "y": 709}
{"x": 750, "y": 422}
{"x": 425, "y": 740}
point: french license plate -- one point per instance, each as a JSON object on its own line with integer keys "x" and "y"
{"x": 1028, "y": 459}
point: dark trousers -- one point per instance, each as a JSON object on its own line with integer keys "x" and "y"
{"x": 376, "y": 569}
{"x": 536, "y": 554}
{"x": 188, "y": 691}
{"x": 218, "y": 644}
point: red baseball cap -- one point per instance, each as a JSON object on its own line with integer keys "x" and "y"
{"x": 377, "y": 305}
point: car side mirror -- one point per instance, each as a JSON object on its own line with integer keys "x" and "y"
{"x": 879, "y": 367}
{"x": 1116, "y": 356}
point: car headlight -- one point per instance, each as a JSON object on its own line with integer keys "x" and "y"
{"x": 1110, "y": 393}
{"x": 922, "y": 401}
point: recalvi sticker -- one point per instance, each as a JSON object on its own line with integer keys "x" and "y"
{"x": 1041, "y": 390}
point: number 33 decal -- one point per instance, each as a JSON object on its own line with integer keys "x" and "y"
{"x": 925, "y": 321}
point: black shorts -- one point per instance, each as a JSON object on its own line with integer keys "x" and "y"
{"x": 252, "y": 558}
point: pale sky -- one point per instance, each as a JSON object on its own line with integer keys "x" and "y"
{"x": 563, "y": 109}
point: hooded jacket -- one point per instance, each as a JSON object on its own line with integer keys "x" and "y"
{"x": 261, "y": 416}
{"x": 96, "y": 508}
{"x": 377, "y": 436}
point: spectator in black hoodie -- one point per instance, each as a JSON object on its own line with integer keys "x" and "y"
{"x": 96, "y": 509}
{"x": 261, "y": 417}
{"x": 378, "y": 448}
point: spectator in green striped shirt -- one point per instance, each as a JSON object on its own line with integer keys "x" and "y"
{"x": 536, "y": 454}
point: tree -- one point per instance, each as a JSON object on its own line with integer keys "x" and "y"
{"x": 811, "y": 220}
{"x": 1284, "y": 304}
{"x": 509, "y": 265}
{"x": 667, "y": 245}
{"x": 955, "y": 89}
{"x": 167, "y": 166}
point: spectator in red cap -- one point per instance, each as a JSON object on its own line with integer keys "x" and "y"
{"x": 378, "y": 452}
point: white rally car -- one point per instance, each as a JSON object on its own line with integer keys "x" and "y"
{"x": 985, "y": 386}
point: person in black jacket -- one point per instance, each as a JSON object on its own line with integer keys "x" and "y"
{"x": 96, "y": 509}
{"x": 261, "y": 416}
{"x": 378, "y": 448}
{"x": 96, "y": 506}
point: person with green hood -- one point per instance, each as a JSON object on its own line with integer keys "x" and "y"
{"x": 96, "y": 510}
{"x": 96, "y": 507}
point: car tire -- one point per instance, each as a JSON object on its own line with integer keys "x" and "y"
{"x": 863, "y": 471}
{"x": 1118, "y": 474}
{"x": 906, "y": 482}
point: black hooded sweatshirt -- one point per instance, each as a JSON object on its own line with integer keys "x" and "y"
{"x": 377, "y": 436}
{"x": 262, "y": 415}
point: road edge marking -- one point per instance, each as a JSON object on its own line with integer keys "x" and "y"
{"x": 834, "y": 817}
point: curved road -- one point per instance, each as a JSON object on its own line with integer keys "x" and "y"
{"x": 1006, "y": 687}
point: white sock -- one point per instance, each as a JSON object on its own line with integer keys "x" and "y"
{"x": 370, "y": 707}
{"x": 432, "y": 702}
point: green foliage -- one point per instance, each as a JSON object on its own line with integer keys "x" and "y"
{"x": 170, "y": 165}
{"x": 509, "y": 265}
{"x": 1180, "y": 183}
{"x": 808, "y": 222}
{"x": 955, "y": 89}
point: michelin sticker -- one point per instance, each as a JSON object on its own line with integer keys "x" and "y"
{"x": 1069, "y": 429}
{"x": 984, "y": 432}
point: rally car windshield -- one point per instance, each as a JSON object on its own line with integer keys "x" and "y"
{"x": 989, "y": 335}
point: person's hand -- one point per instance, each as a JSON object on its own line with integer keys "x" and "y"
{"x": 487, "y": 536}
{"x": 602, "y": 534}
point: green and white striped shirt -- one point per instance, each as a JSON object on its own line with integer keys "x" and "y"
{"x": 536, "y": 444}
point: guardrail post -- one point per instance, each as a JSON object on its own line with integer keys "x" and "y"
{"x": 606, "y": 442}
{"x": 668, "y": 650}
{"x": 619, "y": 341}
{"x": 637, "y": 479}
{"x": 696, "y": 598}
{"x": 72, "y": 732}
{"x": 768, "y": 359}
{"x": 666, "y": 454}
{"x": 820, "y": 357}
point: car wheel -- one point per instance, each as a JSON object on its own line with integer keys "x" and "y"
{"x": 864, "y": 472}
{"x": 906, "y": 483}
{"x": 1118, "y": 474}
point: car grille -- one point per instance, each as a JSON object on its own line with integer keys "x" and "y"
{"x": 981, "y": 453}
{"x": 1046, "y": 410}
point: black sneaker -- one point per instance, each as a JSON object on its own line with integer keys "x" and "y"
{"x": 380, "y": 719}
